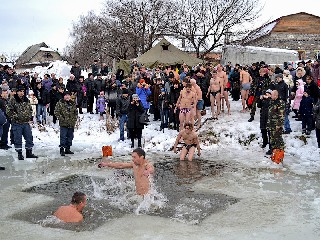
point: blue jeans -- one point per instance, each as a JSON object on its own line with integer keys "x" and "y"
{"x": 20, "y": 130}
{"x": 286, "y": 122}
{"x": 41, "y": 111}
{"x": 123, "y": 120}
{"x": 164, "y": 113}
{"x": 66, "y": 137}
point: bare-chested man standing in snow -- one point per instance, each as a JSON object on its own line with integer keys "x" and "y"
{"x": 215, "y": 91}
{"x": 222, "y": 76}
{"x": 245, "y": 81}
{"x": 186, "y": 102}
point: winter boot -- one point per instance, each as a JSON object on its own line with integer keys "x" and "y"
{"x": 62, "y": 151}
{"x": 277, "y": 155}
{"x": 67, "y": 151}
{"x": 80, "y": 111}
{"x": 29, "y": 154}
{"x": 269, "y": 152}
{"x": 139, "y": 142}
{"x": 20, "y": 156}
{"x": 251, "y": 119}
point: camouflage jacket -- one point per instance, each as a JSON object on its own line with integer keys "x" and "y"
{"x": 67, "y": 113}
{"x": 19, "y": 110}
{"x": 276, "y": 114}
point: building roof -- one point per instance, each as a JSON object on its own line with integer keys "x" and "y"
{"x": 166, "y": 53}
{"x": 31, "y": 51}
{"x": 297, "y": 23}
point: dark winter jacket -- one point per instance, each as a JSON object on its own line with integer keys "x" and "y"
{"x": 283, "y": 90}
{"x": 90, "y": 87}
{"x": 99, "y": 85}
{"x": 95, "y": 69}
{"x": 134, "y": 113}
{"x": 19, "y": 110}
{"x": 76, "y": 71}
{"x": 3, "y": 120}
{"x": 264, "y": 104}
{"x": 72, "y": 85}
{"x": 174, "y": 95}
{"x": 42, "y": 95}
{"x": 54, "y": 99}
{"x": 313, "y": 90}
{"x": 67, "y": 113}
{"x": 163, "y": 101}
{"x": 316, "y": 114}
{"x": 122, "y": 105}
{"x": 306, "y": 106}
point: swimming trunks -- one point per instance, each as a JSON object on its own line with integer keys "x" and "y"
{"x": 215, "y": 93}
{"x": 188, "y": 146}
{"x": 245, "y": 86}
{"x": 185, "y": 110}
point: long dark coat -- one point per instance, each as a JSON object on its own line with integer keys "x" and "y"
{"x": 134, "y": 113}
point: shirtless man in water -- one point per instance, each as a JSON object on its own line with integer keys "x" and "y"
{"x": 222, "y": 76}
{"x": 245, "y": 81}
{"x": 73, "y": 212}
{"x": 215, "y": 91}
{"x": 191, "y": 142}
{"x": 186, "y": 102}
{"x": 142, "y": 169}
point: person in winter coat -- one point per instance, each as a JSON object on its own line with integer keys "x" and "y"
{"x": 4, "y": 98}
{"x": 143, "y": 91}
{"x": 316, "y": 72}
{"x": 155, "y": 92}
{"x": 135, "y": 110}
{"x": 305, "y": 110}
{"x": 67, "y": 114}
{"x": 54, "y": 99}
{"x": 19, "y": 112}
{"x": 298, "y": 97}
{"x": 312, "y": 88}
{"x": 72, "y": 86}
{"x": 81, "y": 94}
{"x": 264, "y": 104}
{"x": 3, "y": 121}
{"x": 43, "y": 97}
{"x": 76, "y": 70}
{"x": 91, "y": 92}
{"x": 122, "y": 106}
{"x": 163, "y": 105}
{"x": 101, "y": 104}
{"x": 174, "y": 96}
{"x": 112, "y": 92}
{"x": 47, "y": 82}
{"x": 287, "y": 78}
{"x": 316, "y": 115}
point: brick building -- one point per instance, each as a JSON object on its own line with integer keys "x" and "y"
{"x": 300, "y": 32}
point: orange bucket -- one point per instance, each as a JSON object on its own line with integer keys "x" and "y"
{"x": 277, "y": 155}
{"x": 106, "y": 151}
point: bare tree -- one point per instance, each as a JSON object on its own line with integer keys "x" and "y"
{"x": 205, "y": 23}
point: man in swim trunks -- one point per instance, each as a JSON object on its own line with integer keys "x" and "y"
{"x": 222, "y": 76}
{"x": 200, "y": 101}
{"x": 185, "y": 103}
{"x": 215, "y": 91}
{"x": 142, "y": 169}
{"x": 245, "y": 81}
{"x": 191, "y": 142}
{"x": 73, "y": 212}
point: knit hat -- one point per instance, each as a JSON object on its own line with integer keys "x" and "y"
{"x": 269, "y": 91}
{"x": 163, "y": 89}
{"x": 20, "y": 88}
{"x": 279, "y": 75}
{"x": 135, "y": 96}
{"x": 66, "y": 93}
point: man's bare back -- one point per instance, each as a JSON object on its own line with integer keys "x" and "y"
{"x": 68, "y": 214}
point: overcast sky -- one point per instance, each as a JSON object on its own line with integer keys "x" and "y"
{"x": 28, "y": 22}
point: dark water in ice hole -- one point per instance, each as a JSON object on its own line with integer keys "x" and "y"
{"x": 173, "y": 180}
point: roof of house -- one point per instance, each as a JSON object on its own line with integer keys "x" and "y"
{"x": 166, "y": 53}
{"x": 31, "y": 51}
{"x": 294, "y": 23}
